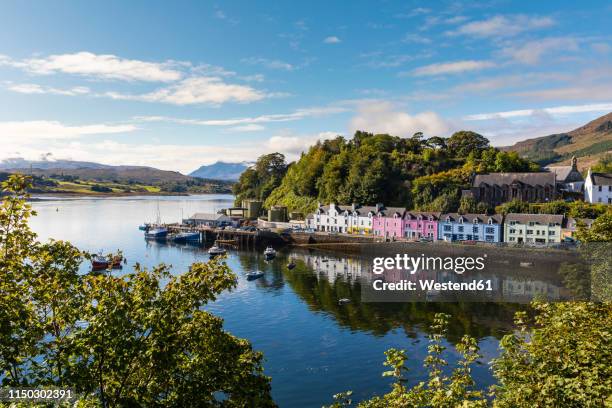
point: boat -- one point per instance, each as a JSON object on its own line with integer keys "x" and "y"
{"x": 269, "y": 253}
{"x": 344, "y": 301}
{"x": 186, "y": 237}
{"x": 254, "y": 275}
{"x": 143, "y": 227}
{"x": 156, "y": 233}
{"x": 215, "y": 250}
{"x": 99, "y": 263}
{"x": 290, "y": 265}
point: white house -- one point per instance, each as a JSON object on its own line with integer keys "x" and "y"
{"x": 598, "y": 188}
{"x": 352, "y": 219}
{"x": 533, "y": 228}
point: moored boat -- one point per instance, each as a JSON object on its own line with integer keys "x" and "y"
{"x": 156, "y": 233}
{"x": 183, "y": 237}
{"x": 99, "y": 263}
{"x": 254, "y": 275}
{"x": 215, "y": 250}
{"x": 269, "y": 253}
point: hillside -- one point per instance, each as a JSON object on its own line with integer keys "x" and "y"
{"x": 220, "y": 171}
{"x": 589, "y": 143}
{"x": 65, "y": 176}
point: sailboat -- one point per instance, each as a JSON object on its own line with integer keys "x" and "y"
{"x": 157, "y": 231}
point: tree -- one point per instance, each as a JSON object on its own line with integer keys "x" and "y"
{"x": 465, "y": 142}
{"x": 467, "y": 205}
{"x": 141, "y": 339}
{"x": 514, "y": 206}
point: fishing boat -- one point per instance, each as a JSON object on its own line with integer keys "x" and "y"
{"x": 184, "y": 237}
{"x": 158, "y": 233}
{"x": 269, "y": 253}
{"x": 254, "y": 275}
{"x": 215, "y": 250}
{"x": 99, "y": 263}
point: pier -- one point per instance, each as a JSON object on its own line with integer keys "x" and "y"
{"x": 237, "y": 237}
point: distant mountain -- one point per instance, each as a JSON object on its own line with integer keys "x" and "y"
{"x": 588, "y": 143}
{"x": 221, "y": 171}
{"x": 21, "y": 163}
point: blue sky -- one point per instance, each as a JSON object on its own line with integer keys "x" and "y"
{"x": 176, "y": 85}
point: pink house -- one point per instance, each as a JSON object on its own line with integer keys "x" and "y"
{"x": 388, "y": 222}
{"x": 418, "y": 225}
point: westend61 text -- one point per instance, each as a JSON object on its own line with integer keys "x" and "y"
{"x": 475, "y": 285}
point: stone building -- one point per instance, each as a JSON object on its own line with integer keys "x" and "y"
{"x": 498, "y": 188}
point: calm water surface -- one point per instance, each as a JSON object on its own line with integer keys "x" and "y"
{"x": 313, "y": 347}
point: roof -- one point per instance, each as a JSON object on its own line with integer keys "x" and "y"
{"x": 571, "y": 222}
{"x": 537, "y": 218}
{"x": 207, "y": 216}
{"x": 537, "y": 178}
{"x": 482, "y": 218}
{"x": 362, "y": 210}
{"x": 414, "y": 215}
{"x": 602, "y": 179}
{"x": 566, "y": 173}
{"x": 388, "y": 211}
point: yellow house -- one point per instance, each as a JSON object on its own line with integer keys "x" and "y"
{"x": 533, "y": 228}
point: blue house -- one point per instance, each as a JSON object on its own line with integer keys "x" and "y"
{"x": 470, "y": 227}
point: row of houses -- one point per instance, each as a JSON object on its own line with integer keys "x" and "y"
{"x": 399, "y": 223}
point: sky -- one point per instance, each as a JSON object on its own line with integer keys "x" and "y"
{"x": 176, "y": 85}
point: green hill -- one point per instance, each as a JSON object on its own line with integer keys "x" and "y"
{"x": 589, "y": 143}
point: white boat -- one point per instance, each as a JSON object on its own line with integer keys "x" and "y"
{"x": 270, "y": 252}
{"x": 215, "y": 250}
{"x": 254, "y": 275}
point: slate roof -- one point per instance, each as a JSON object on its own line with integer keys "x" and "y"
{"x": 537, "y": 178}
{"x": 389, "y": 211}
{"x": 566, "y": 174}
{"x": 469, "y": 218}
{"x": 602, "y": 179}
{"x": 543, "y": 219}
{"x": 413, "y": 215}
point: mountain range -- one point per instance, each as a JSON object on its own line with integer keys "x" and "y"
{"x": 221, "y": 171}
{"x": 588, "y": 143}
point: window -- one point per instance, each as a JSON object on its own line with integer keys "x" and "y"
{"x": 529, "y": 232}
{"x": 490, "y": 230}
{"x": 511, "y": 238}
{"x": 430, "y": 226}
{"x": 475, "y": 230}
{"x": 551, "y": 232}
{"x": 489, "y": 238}
{"x": 512, "y": 231}
{"x": 599, "y": 188}
{"x": 599, "y": 199}
{"x": 460, "y": 236}
{"x": 448, "y": 228}
{"x": 460, "y": 228}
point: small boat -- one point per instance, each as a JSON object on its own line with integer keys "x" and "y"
{"x": 99, "y": 263}
{"x": 269, "y": 253}
{"x": 187, "y": 237}
{"x": 156, "y": 233}
{"x": 215, "y": 250}
{"x": 344, "y": 301}
{"x": 254, "y": 275}
{"x": 143, "y": 227}
{"x": 290, "y": 265}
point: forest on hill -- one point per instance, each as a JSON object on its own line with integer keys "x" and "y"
{"x": 416, "y": 172}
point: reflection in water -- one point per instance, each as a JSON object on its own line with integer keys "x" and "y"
{"x": 313, "y": 346}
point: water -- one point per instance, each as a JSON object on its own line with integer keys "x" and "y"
{"x": 313, "y": 347}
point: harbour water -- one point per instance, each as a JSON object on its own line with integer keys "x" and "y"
{"x": 314, "y": 347}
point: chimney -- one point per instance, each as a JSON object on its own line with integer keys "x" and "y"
{"x": 574, "y": 163}
{"x": 353, "y": 207}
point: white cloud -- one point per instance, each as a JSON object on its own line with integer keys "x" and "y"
{"x": 269, "y": 63}
{"x": 531, "y": 52}
{"x": 293, "y": 145}
{"x": 503, "y": 26}
{"x": 332, "y": 40}
{"x": 455, "y": 67}
{"x": 247, "y": 128}
{"x": 27, "y": 131}
{"x": 105, "y": 66}
{"x": 279, "y": 117}
{"x": 557, "y": 110}
{"x": 381, "y": 117}
{"x": 197, "y": 90}
{"x": 39, "y": 89}
{"x": 416, "y": 38}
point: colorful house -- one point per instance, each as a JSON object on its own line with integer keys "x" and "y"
{"x": 361, "y": 218}
{"x": 470, "y": 227}
{"x": 331, "y": 219}
{"x": 419, "y": 225}
{"x": 388, "y": 222}
{"x": 533, "y": 228}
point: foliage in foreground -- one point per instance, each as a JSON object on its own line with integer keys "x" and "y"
{"x": 141, "y": 339}
{"x": 561, "y": 358}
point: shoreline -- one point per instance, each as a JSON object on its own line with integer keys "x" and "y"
{"x": 67, "y": 195}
